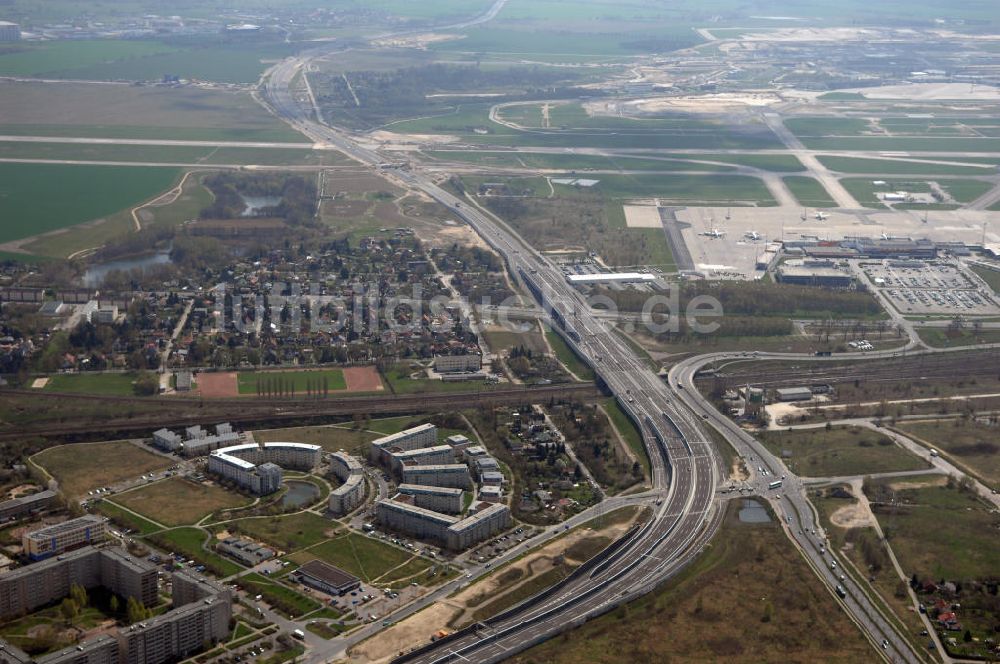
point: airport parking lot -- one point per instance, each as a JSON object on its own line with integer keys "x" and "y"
{"x": 916, "y": 287}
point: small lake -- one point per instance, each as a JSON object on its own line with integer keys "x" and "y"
{"x": 256, "y": 203}
{"x": 299, "y": 494}
{"x": 95, "y": 274}
{"x": 753, "y": 512}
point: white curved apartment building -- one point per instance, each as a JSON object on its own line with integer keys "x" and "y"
{"x": 258, "y": 468}
{"x": 349, "y": 495}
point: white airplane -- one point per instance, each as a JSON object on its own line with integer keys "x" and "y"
{"x": 752, "y": 235}
{"x": 714, "y": 233}
{"x": 821, "y": 216}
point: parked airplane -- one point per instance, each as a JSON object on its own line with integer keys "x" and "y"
{"x": 821, "y": 215}
{"x": 714, "y": 233}
{"x": 752, "y": 235}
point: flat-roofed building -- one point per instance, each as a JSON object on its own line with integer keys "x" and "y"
{"x": 474, "y": 452}
{"x": 326, "y": 578}
{"x": 477, "y": 527}
{"x": 52, "y": 540}
{"x": 246, "y": 551}
{"x": 294, "y": 456}
{"x": 188, "y": 586}
{"x": 486, "y": 464}
{"x": 424, "y": 456}
{"x": 15, "y": 508}
{"x": 492, "y": 478}
{"x": 490, "y": 494}
{"x": 414, "y": 438}
{"x": 351, "y": 493}
{"x": 452, "y": 363}
{"x": 102, "y": 649}
{"x": 458, "y": 442}
{"x": 27, "y": 588}
{"x": 167, "y": 440}
{"x": 437, "y": 498}
{"x": 454, "y": 475}
{"x": 412, "y": 520}
{"x": 793, "y": 394}
{"x": 177, "y": 634}
{"x": 258, "y": 468}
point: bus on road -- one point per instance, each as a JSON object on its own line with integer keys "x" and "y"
{"x": 774, "y": 485}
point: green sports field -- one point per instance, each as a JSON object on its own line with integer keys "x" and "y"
{"x": 297, "y": 381}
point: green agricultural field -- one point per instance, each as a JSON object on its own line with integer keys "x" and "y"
{"x": 124, "y": 111}
{"x": 176, "y": 501}
{"x": 191, "y": 543}
{"x": 809, "y": 192}
{"x": 140, "y": 60}
{"x": 288, "y": 533}
{"x": 681, "y": 188}
{"x": 105, "y": 384}
{"x": 839, "y": 451}
{"x": 939, "y": 532}
{"x": 80, "y": 467}
{"x": 892, "y": 167}
{"x": 37, "y": 198}
{"x": 296, "y": 382}
{"x": 367, "y": 558}
{"x": 171, "y": 155}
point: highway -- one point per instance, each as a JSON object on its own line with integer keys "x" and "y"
{"x": 686, "y": 469}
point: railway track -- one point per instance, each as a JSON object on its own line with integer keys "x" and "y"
{"x": 188, "y": 412}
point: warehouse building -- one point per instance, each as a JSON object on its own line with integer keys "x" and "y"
{"x": 793, "y": 394}
{"x": 424, "y": 435}
{"x": 437, "y": 498}
{"x": 455, "y": 475}
{"x": 351, "y": 493}
{"x": 15, "y": 508}
{"x": 815, "y": 273}
{"x": 326, "y": 578}
{"x": 66, "y": 536}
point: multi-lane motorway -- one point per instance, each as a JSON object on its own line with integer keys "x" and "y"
{"x": 686, "y": 469}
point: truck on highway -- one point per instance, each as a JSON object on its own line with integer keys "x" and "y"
{"x": 776, "y": 484}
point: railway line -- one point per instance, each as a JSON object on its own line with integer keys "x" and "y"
{"x": 187, "y": 412}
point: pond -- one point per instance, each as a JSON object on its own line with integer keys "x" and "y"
{"x": 94, "y": 276}
{"x": 299, "y": 494}
{"x": 255, "y": 203}
{"x": 753, "y": 512}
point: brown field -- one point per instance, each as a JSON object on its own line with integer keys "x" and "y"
{"x": 363, "y": 379}
{"x": 81, "y": 467}
{"x": 749, "y": 598}
{"x": 178, "y": 502}
{"x": 218, "y": 385}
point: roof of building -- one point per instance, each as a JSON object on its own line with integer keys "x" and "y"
{"x": 438, "y": 468}
{"x": 27, "y": 500}
{"x": 305, "y": 447}
{"x": 430, "y": 515}
{"x": 406, "y": 433}
{"x": 67, "y": 526}
{"x": 474, "y": 519}
{"x": 426, "y": 489}
{"x": 327, "y": 573}
{"x": 605, "y": 277}
{"x": 423, "y": 451}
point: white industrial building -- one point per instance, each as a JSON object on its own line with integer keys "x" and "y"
{"x": 610, "y": 278}
{"x": 351, "y": 493}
